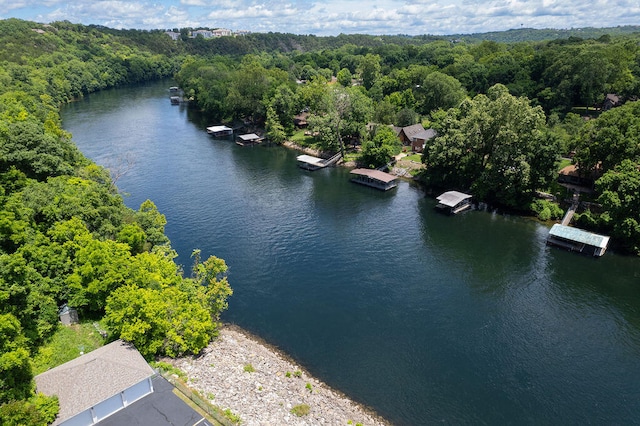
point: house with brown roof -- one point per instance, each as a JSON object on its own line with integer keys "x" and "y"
{"x": 98, "y": 384}
{"x": 611, "y": 101}
{"x": 573, "y": 178}
{"x": 415, "y": 136}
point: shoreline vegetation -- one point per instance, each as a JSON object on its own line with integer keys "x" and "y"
{"x": 260, "y": 384}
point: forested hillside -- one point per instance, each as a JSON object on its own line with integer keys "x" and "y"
{"x": 66, "y": 236}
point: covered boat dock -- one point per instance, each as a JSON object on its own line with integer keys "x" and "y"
{"x": 374, "y": 178}
{"x": 575, "y": 239}
{"x": 309, "y": 162}
{"x": 453, "y": 202}
{"x": 248, "y": 139}
{"x": 218, "y": 131}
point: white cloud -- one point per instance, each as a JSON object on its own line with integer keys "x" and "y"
{"x": 332, "y": 17}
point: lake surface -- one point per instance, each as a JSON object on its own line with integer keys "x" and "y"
{"x": 426, "y": 318}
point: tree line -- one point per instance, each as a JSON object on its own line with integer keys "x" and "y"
{"x": 66, "y": 236}
{"x": 505, "y": 113}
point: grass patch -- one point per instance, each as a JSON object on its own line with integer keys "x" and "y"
{"x": 67, "y": 343}
{"x": 564, "y": 163}
{"x": 300, "y": 410}
{"x": 248, "y": 368}
{"x": 234, "y": 418}
{"x": 303, "y": 140}
{"x": 351, "y": 156}
{"x": 414, "y": 157}
{"x": 165, "y": 366}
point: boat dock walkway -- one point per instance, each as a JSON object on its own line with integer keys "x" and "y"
{"x": 572, "y": 210}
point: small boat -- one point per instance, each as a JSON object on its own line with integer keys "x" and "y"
{"x": 174, "y": 88}
{"x": 175, "y": 100}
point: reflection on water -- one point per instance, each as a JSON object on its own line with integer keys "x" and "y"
{"x": 427, "y": 318}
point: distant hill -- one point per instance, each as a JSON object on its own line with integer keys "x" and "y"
{"x": 532, "y": 34}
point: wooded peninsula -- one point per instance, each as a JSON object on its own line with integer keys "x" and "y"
{"x": 508, "y": 111}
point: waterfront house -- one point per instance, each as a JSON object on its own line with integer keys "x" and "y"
{"x": 415, "y": 136}
{"x": 453, "y": 202}
{"x": 374, "y": 178}
{"x": 574, "y": 178}
{"x": 95, "y": 385}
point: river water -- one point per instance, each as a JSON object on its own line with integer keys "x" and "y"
{"x": 426, "y": 318}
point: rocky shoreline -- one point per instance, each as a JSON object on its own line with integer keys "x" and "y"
{"x": 262, "y": 386}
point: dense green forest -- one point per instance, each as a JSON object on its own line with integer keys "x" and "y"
{"x": 505, "y": 113}
{"x": 66, "y": 236}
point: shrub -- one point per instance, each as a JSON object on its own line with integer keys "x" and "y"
{"x": 546, "y": 210}
{"x": 235, "y": 419}
{"x": 300, "y": 410}
{"x": 249, "y": 368}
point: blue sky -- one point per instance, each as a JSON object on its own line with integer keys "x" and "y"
{"x": 332, "y": 17}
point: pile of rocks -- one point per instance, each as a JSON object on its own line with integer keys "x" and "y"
{"x": 262, "y": 387}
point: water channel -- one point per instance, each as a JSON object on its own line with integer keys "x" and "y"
{"x": 426, "y": 318}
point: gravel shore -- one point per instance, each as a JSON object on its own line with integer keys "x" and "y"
{"x": 261, "y": 386}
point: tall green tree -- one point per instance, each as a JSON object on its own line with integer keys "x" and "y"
{"x": 273, "y": 128}
{"x": 345, "y": 113}
{"x": 494, "y": 145}
{"x": 619, "y": 191}
{"x": 15, "y": 367}
{"x": 613, "y": 137}
{"x": 370, "y": 70}
{"x": 380, "y": 149}
{"x": 439, "y": 90}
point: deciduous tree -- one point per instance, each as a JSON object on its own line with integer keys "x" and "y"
{"x": 494, "y": 145}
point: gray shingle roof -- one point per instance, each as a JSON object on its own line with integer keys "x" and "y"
{"x": 411, "y": 131}
{"x": 93, "y": 377}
